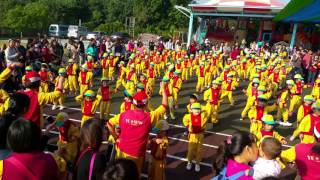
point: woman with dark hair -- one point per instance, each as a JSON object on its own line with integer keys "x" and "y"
{"x": 234, "y": 155}
{"x": 17, "y": 105}
{"x": 121, "y": 169}
{"x": 90, "y": 164}
{"x": 306, "y": 156}
{"x": 26, "y": 161}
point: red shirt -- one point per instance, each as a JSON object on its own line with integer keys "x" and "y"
{"x": 308, "y": 163}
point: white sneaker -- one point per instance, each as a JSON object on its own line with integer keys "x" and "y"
{"x": 241, "y": 119}
{"x": 197, "y": 168}
{"x": 189, "y": 166}
{"x": 61, "y": 108}
{"x": 165, "y": 117}
{"x": 54, "y": 107}
{"x": 287, "y": 124}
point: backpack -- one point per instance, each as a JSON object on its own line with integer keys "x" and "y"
{"x": 222, "y": 175}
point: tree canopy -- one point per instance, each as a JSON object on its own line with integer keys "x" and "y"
{"x": 154, "y": 16}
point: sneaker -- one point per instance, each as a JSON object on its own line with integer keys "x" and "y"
{"x": 197, "y": 168}
{"x": 165, "y": 117}
{"x": 189, "y": 166}
{"x": 173, "y": 117}
{"x": 61, "y": 108}
{"x": 241, "y": 119}
{"x": 186, "y": 133}
{"x": 287, "y": 124}
{"x": 54, "y": 107}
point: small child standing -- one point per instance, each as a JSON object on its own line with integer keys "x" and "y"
{"x": 159, "y": 146}
{"x": 267, "y": 165}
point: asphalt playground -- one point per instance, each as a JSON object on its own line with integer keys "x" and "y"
{"x": 228, "y": 123}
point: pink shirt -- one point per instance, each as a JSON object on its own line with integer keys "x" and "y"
{"x": 135, "y": 126}
{"x": 308, "y": 163}
{"x": 234, "y": 167}
{"x": 41, "y": 165}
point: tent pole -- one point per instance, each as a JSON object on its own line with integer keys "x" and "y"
{"x": 190, "y": 29}
{"x": 294, "y": 34}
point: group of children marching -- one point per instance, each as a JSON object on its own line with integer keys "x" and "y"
{"x": 269, "y": 89}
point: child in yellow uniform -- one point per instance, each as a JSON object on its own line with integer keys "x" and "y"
{"x": 85, "y": 79}
{"x": 131, "y": 79}
{"x": 72, "y": 76}
{"x": 127, "y": 104}
{"x": 185, "y": 69}
{"x": 159, "y": 145}
{"x": 196, "y": 122}
{"x": 60, "y": 100}
{"x": 316, "y": 89}
{"x": 208, "y": 75}
{"x": 112, "y": 61}
{"x": 168, "y": 88}
{"x": 176, "y": 82}
{"x": 4, "y": 96}
{"x": 46, "y": 77}
{"x": 256, "y": 113}
{"x": 251, "y": 93}
{"x": 104, "y": 66}
{"x": 228, "y": 87}
{"x": 305, "y": 108}
{"x": 295, "y": 96}
{"x": 283, "y": 111}
{"x": 267, "y": 130}
{"x": 305, "y": 128}
{"x": 89, "y": 104}
{"x": 122, "y": 74}
{"x": 106, "y": 92}
{"x": 200, "y": 73}
{"x": 212, "y": 97}
{"x": 90, "y": 65}
{"x": 27, "y": 69}
{"x": 151, "y": 78}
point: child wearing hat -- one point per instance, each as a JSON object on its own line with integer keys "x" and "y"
{"x": 200, "y": 74}
{"x": 104, "y": 65}
{"x": 295, "y": 96}
{"x": 176, "y": 82}
{"x": 257, "y": 111}
{"x": 168, "y": 89}
{"x": 151, "y": 78}
{"x": 121, "y": 75}
{"x": 305, "y": 108}
{"x": 60, "y": 100}
{"x": 305, "y": 128}
{"x": 131, "y": 79}
{"x": 283, "y": 109}
{"x": 196, "y": 122}
{"x": 89, "y": 103}
{"x": 27, "y": 69}
{"x": 316, "y": 88}
{"x": 85, "y": 79}
{"x": 212, "y": 97}
{"x": 158, "y": 146}
{"x": 268, "y": 124}
{"x": 251, "y": 93}
{"x": 185, "y": 69}
{"x": 46, "y": 77}
{"x": 72, "y": 69}
{"x": 228, "y": 87}
{"x": 208, "y": 74}
{"x": 90, "y": 65}
{"x": 127, "y": 102}
{"x": 112, "y": 61}
{"x": 106, "y": 93}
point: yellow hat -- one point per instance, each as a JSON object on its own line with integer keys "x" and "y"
{"x": 262, "y": 97}
{"x": 256, "y": 81}
{"x": 256, "y": 75}
{"x": 230, "y": 75}
{"x": 90, "y": 93}
{"x": 84, "y": 66}
{"x": 104, "y": 79}
{"x": 70, "y": 61}
{"x": 290, "y": 82}
{"x": 262, "y": 88}
{"x": 62, "y": 71}
{"x": 308, "y": 98}
{"x": 216, "y": 82}
{"x": 196, "y": 106}
{"x": 28, "y": 68}
{"x": 298, "y": 76}
{"x": 62, "y": 116}
{"x": 268, "y": 119}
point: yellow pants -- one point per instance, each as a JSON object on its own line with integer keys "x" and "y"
{"x": 157, "y": 170}
{"x": 138, "y": 68}
{"x": 175, "y": 94}
{"x": 171, "y": 107}
{"x": 255, "y": 127}
{"x": 105, "y": 73}
{"x": 83, "y": 89}
{"x": 138, "y": 160}
{"x": 85, "y": 118}
{"x": 185, "y": 75}
{"x": 283, "y": 113}
{"x": 230, "y": 97}
{"x": 195, "y": 147}
{"x": 104, "y": 109}
{"x": 200, "y": 84}
{"x": 70, "y": 150}
{"x": 191, "y": 71}
{"x": 249, "y": 103}
{"x": 119, "y": 82}
{"x": 44, "y": 87}
{"x": 157, "y": 70}
{"x": 130, "y": 86}
{"x": 295, "y": 102}
{"x": 162, "y": 64}
{"x": 150, "y": 85}
{"x": 73, "y": 84}
{"x": 59, "y": 100}
{"x": 110, "y": 73}
{"x": 214, "y": 112}
{"x": 207, "y": 79}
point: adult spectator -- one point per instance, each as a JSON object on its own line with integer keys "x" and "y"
{"x": 226, "y": 49}
{"x": 21, "y": 49}
{"x": 306, "y": 157}
{"x": 121, "y": 169}
{"x": 135, "y": 126}
{"x": 81, "y": 50}
{"x": 2, "y": 57}
{"x": 17, "y": 105}
{"x": 193, "y": 47}
{"x": 313, "y": 69}
{"x": 27, "y": 161}
{"x": 306, "y": 62}
{"x": 151, "y": 45}
{"x": 160, "y": 47}
{"x": 235, "y": 154}
{"x": 295, "y": 62}
{"x": 91, "y": 163}
{"x": 11, "y": 53}
{"x": 169, "y": 44}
